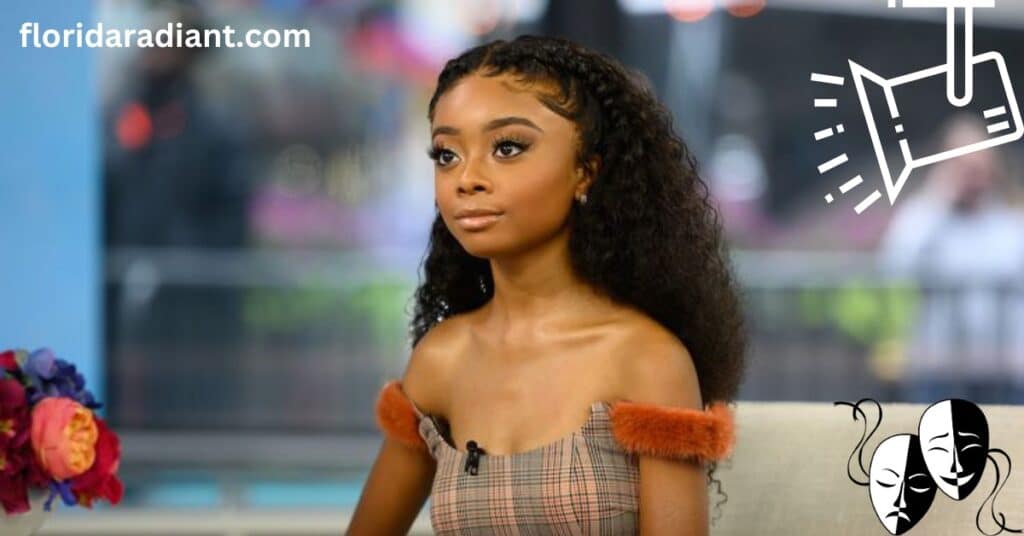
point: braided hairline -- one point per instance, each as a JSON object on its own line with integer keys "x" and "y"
{"x": 586, "y": 79}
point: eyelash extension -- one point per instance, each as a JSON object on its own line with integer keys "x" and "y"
{"x": 514, "y": 140}
{"x": 434, "y": 151}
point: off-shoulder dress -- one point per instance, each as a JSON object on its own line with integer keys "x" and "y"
{"x": 586, "y": 483}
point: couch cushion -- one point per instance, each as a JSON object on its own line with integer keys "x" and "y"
{"x": 788, "y": 475}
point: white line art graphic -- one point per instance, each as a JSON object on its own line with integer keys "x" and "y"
{"x": 867, "y": 202}
{"x": 956, "y": 44}
{"x": 828, "y": 132}
{"x": 828, "y": 79}
{"x": 1003, "y": 121}
{"x": 832, "y": 164}
{"x": 910, "y": 163}
{"x": 850, "y": 184}
{"x": 847, "y": 186}
{"x": 995, "y": 112}
{"x": 998, "y": 127}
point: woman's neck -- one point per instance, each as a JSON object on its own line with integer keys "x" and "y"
{"x": 538, "y": 291}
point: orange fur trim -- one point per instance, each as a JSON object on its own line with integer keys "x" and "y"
{"x": 396, "y": 416}
{"x": 673, "y": 432}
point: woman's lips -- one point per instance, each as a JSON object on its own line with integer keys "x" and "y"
{"x": 477, "y": 223}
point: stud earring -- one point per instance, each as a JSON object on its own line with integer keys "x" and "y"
{"x": 582, "y": 199}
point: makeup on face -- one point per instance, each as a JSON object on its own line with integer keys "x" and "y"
{"x": 477, "y": 223}
{"x": 504, "y": 166}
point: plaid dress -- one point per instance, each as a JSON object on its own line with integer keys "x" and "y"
{"x": 586, "y": 483}
{"x": 581, "y": 484}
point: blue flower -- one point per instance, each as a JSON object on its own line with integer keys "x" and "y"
{"x": 50, "y": 376}
{"x": 41, "y": 363}
{"x": 62, "y": 489}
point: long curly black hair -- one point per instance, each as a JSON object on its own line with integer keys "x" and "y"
{"x": 648, "y": 235}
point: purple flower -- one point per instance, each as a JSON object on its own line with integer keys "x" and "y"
{"x": 50, "y": 376}
{"x": 41, "y": 363}
{"x": 62, "y": 489}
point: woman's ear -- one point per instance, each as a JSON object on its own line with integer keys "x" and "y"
{"x": 593, "y": 166}
{"x": 587, "y": 173}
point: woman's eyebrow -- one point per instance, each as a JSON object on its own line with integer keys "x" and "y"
{"x": 491, "y": 125}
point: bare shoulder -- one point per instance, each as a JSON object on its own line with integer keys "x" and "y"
{"x": 426, "y": 380}
{"x": 654, "y": 365}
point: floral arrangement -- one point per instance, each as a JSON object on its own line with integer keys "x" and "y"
{"x": 49, "y": 436}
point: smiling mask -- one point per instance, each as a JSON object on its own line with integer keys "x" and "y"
{"x": 954, "y": 443}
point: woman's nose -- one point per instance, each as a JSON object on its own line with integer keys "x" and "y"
{"x": 471, "y": 177}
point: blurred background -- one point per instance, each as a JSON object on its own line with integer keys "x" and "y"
{"x": 211, "y": 234}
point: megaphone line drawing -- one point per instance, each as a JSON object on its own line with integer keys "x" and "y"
{"x": 959, "y": 42}
{"x": 966, "y": 49}
{"x": 894, "y": 182}
{"x": 1003, "y": 118}
{"x": 843, "y": 158}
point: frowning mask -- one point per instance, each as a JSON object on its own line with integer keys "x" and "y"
{"x": 901, "y": 488}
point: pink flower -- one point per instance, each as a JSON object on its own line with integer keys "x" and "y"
{"x": 64, "y": 436}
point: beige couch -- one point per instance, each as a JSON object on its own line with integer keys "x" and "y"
{"x": 788, "y": 472}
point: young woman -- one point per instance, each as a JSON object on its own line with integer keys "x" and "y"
{"x": 578, "y": 334}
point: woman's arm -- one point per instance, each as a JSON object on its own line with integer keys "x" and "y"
{"x": 401, "y": 477}
{"x": 673, "y": 497}
{"x": 673, "y": 492}
{"x": 394, "y": 493}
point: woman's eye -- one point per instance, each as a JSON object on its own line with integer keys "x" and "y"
{"x": 438, "y": 154}
{"x": 504, "y": 148}
{"x": 508, "y": 148}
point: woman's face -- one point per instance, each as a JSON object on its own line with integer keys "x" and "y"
{"x": 498, "y": 149}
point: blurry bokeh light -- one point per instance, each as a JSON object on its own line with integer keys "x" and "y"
{"x": 745, "y": 8}
{"x": 481, "y": 17}
{"x": 689, "y": 10}
{"x": 134, "y": 126}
